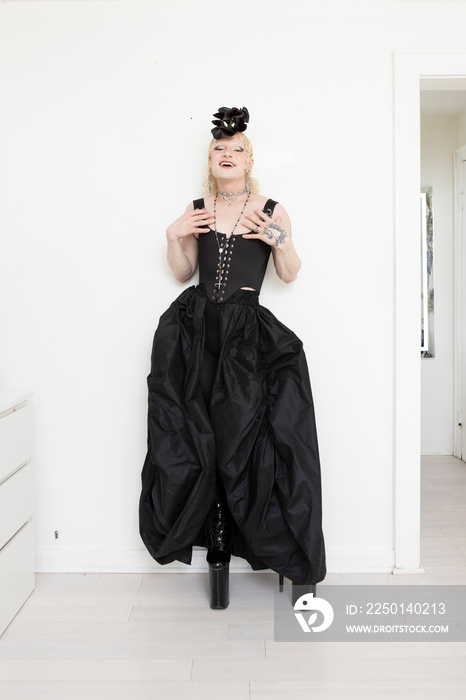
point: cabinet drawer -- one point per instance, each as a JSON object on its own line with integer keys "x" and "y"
{"x": 16, "y": 503}
{"x": 16, "y": 574}
{"x": 15, "y": 440}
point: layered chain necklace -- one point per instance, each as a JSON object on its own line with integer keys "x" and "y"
{"x": 225, "y": 244}
{"x": 230, "y": 197}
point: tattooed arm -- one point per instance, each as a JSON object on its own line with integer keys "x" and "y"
{"x": 277, "y": 233}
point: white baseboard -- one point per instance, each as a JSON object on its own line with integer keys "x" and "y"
{"x": 437, "y": 446}
{"x": 418, "y": 570}
{"x": 56, "y": 560}
{"x": 61, "y": 560}
{"x": 368, "y": 561}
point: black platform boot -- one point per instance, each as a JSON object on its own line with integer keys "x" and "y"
{"x": 218, "y": 555}
{"x": 297, "y": 590}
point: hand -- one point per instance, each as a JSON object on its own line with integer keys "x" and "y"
{"x": 193, "y": 222}
{"x": 265, "y": 228}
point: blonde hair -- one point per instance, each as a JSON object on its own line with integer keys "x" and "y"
{"x": 249, "y": 152}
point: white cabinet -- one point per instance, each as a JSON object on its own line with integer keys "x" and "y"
{"x": 16, "y": 504}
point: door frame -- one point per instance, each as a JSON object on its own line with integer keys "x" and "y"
{"x": 409, "y": 68}
{"x": 459, "y": 310}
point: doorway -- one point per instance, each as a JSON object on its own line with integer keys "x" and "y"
{"x": 410, "y": 68}
{"x": 443, "y": 145}
{"x": 460, "y": 300}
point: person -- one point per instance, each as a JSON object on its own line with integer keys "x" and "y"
{"x": 233, "y": 461}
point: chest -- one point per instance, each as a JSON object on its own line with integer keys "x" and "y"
{"x": 230, "y": 219}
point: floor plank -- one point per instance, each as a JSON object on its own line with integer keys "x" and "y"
{"x": 151, "y": 636}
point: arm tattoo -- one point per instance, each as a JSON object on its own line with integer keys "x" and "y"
{"x": 277, "y": 238}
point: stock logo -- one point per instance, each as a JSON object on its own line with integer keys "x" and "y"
{"x": 308, "y": 603}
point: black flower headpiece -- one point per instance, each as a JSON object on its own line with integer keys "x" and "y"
{"x": 229, "y": 121}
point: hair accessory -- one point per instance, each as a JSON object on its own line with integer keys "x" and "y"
{"x": 229, "y": 121}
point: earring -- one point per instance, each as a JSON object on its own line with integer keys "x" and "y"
{"x": 248, "y": 181}
{"x": 209, "y": 181}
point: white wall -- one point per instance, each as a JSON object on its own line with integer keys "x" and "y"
{"x": 437, "y": 148}
{"x": 105, "y": 112}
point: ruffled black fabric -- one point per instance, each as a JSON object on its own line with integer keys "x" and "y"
{"x": 260, "y": 438}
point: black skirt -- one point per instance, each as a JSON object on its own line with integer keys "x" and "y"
{"x": 258, "y": 436}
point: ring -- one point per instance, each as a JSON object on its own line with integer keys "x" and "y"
{"x": 256, "y": 230}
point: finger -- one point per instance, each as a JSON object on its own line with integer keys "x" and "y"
{"x": 261, "y": 214}
{"x": 201, "y": 212}
{"x": 253, "y": 220}
{"x": 203, "y": 217}
{"x": 248, "y": 218}
{"x": 203, "y": 222}
{"x": 250, "y": 224}
{"x": 252, "y": 236}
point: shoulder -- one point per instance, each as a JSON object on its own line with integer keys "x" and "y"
{"x": 259, "y": 201}
{"x": 208, "y": 201}
{"x": 196, "y": 204}
{"x": 278, "y": 210}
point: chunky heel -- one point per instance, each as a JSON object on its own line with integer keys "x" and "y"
{"x": 298, "y": 590}
{"x": 219, "y": 583}
{"x": 280, "y": 583}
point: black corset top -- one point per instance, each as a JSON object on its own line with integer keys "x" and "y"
{"x": 229, "y": 264}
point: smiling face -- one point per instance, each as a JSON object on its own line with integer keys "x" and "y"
{"x": 230, "y": 160}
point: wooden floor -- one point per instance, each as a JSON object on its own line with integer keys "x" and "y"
{"x": 145, "y": 637}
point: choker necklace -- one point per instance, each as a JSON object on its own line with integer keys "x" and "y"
{"x": 225, "y": 251}
{"x": 232, "y": 196}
